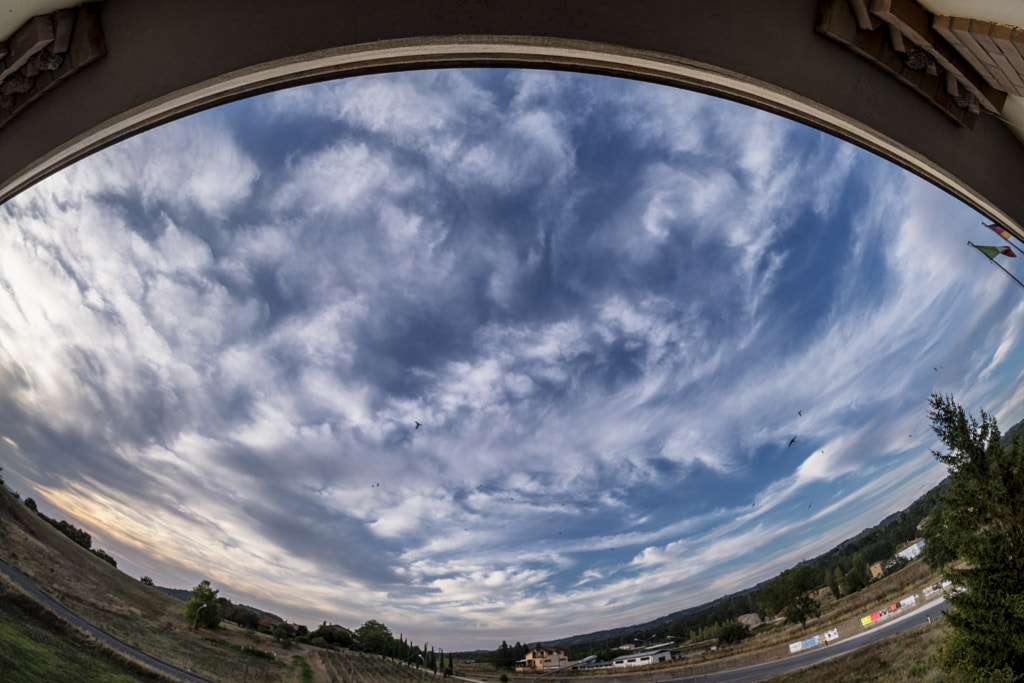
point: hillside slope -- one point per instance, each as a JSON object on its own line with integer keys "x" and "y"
{"x": 36, "y": 645}
{"x": 83, "y": 582}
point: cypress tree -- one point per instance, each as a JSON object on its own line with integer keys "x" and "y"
{"x": 833, "y": 583}
{"x": 840, "y": 580}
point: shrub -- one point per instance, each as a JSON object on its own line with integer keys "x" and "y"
{"x": 250, "y": 651}
{"x": 100, "y": 553}
{"x": 733, "y": 632}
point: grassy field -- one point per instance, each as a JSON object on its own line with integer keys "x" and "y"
{"x": 37, "y": 646}
{"x": 358, "y": 667}
{"x": 844, "y": 614}
{"x": 138, "y": 614}
{"x": 908, "y": 658}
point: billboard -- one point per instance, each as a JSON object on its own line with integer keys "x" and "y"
{"x": 888, "y": 611}
{"x": 814, "y": 641}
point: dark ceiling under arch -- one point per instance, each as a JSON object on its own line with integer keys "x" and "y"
{"x": 146, "y": 63}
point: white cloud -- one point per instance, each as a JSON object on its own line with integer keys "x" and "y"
{"x": 192, "y": 161}
{"x": 346, "y": 178}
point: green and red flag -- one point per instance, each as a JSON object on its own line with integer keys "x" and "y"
{"x": 992, "y": 252}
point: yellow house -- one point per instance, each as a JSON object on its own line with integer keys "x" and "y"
{"x": 543, "y": 659}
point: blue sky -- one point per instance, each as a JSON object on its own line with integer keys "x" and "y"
{"x": 610, "y": 304}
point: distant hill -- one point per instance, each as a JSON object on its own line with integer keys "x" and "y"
{"x": 1009, "y": 434}
{"x": 179, "y": 593}
{"x": 660, "y": 621}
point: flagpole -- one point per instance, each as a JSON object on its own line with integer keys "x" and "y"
{"x": 993, "y": 262}
{"x": 993, "y": 226}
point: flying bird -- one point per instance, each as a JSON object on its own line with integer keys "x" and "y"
{"x": 417, "y": 426}
{"x": 791, "y": 441}
{"x": 800, "y": 413}
{"x": 808, "y": 506}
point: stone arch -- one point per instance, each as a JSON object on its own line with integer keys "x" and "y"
{"x": 167, "y": 58}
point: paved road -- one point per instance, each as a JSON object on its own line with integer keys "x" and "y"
{"x": 29, "y": 586}
{"x": 760, "y": 672}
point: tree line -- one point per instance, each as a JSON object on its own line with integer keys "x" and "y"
{"x": 79, "y": 536}
{"x": 504, "y": 657}
{"x": 205, "y": 609}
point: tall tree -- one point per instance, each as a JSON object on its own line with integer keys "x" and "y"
{"x": 862, "y": 568}
{"x": 373, "y": 636}
{"x": 790, "y": 594}
{"x": 840, "y": 580}
{"x": 503, "y": 657}
{"x": 203, "y": 617}
{"x": 859, "y": 574}
{"x": 833, "y": 583}
{"x": 976, "y": 535}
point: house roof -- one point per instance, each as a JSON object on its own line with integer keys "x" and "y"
{"x": 645, "y": 653}
{"x": 909, "y": 544}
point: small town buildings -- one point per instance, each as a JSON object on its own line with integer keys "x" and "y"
{"x": 543, "y": 659}
{"x": 642, "y": 658}
{"x": 912, "y": 549}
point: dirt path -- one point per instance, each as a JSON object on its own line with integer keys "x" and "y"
{"x": 319, "y": 668}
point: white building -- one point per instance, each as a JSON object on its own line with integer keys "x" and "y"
{"x": 642, "y": 658}
{"x": 912, "y": 549}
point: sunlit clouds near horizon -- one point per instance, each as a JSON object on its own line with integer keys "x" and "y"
{"x": 610, "y": 305}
